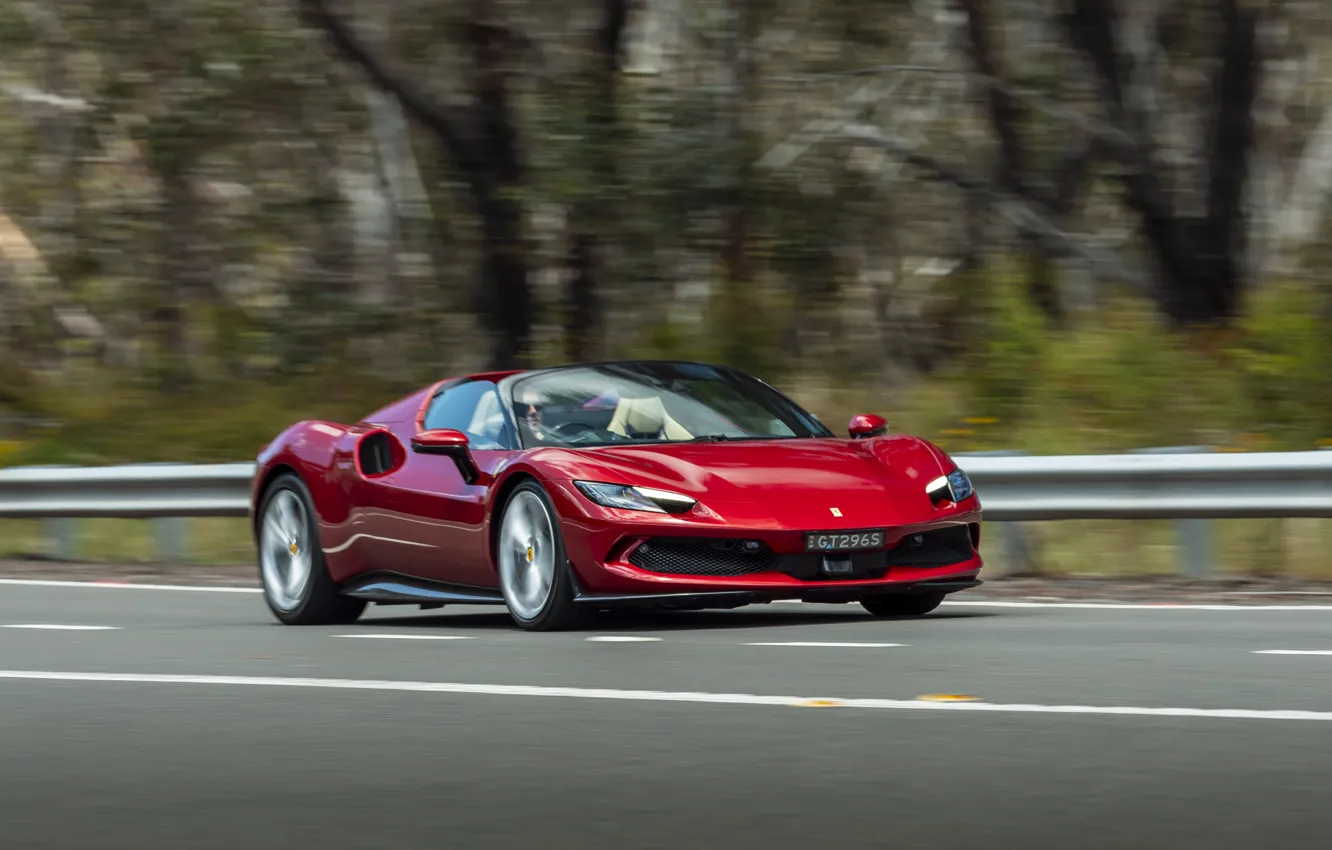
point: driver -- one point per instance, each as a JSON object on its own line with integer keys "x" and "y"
{"x": 532, "y": 401}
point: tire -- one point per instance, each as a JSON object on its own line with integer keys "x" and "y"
{"x": 292, "y": 570}
{"x": 534, "y": 572}
{"x": 902, "y": 604}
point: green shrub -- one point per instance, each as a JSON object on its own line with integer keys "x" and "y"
{"x": 1116, "y": 381}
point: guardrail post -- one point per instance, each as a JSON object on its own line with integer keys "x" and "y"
{"x": 1195, "y": 541}
{"x": 1016, "y": 548}
{"x": 1192, "y": 536}
{"x": 1013, "y": 541}
{"x": 61, "y": 538}
{"x": 169, "y": 535}
{"x": 60, "y": 535}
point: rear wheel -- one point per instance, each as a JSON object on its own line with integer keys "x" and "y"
{"x": 902, "y": 604}
{"x": 297, "y": 586}
{"x": 535, "y": 576}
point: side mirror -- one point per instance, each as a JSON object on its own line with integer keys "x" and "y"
{"x": 866, "y": 425}
{"x": 451, "y": 443}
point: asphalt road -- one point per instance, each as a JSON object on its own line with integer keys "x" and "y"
{"x": 191, "y": 719}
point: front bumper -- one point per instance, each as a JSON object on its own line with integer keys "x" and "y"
{"x": 606, "y": 548}
{"x": 847, "y": 592}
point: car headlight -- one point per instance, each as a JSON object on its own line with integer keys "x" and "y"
{"x": 961, "y": 485}
{"x": 631, "y": 498}
{"x": 956, "y": 486}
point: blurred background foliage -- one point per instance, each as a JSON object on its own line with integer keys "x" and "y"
{"x": 1068, "y": 226}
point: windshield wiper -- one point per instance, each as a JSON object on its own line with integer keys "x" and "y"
{"x": 711, "y": 438}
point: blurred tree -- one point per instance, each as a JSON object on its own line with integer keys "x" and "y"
{"x": 1135, "y": 50}
{"x": 483, "y": 143}
{"x": 1055, "y": 195}
{"x": 204, "y": 200}
{"x": 593, "y": 226}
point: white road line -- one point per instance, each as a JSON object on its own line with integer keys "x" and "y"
{"x": 1108, "y": 606}
{"x": 830, "y": 644}
{"x": 59, "y": 628}
{"x": 408, "y": 637}
{"x": 1292, "y": 652}
{"x": 1134, "y": 606}
{"x": 664, "y": 696}
{"x": 1275, "y": 593}
{"x": 113, "y": 585}
{"x": 972, "y": 603}
{"x": 622, "y": 639}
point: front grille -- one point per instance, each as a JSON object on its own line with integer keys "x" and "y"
{"x": 702, "y": 556}
{"x": 938, "y": 548}
{"x": 707, "y": 556}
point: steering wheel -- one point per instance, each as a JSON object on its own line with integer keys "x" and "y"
{"x": 559, "y": 430}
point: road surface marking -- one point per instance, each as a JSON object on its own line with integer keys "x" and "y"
{"x": 1134, "y": 606}
{"x": 1108, "y": 606}
{"x": 408, "y": 637}
{"x": 663, "y": 696}
{"x": 1292, "y": 652}
{"x": 1275, "y": 593}
{"x": 829, "y": 644}
{"x": 972, "y": 603}
{"x": 116, "y": 585}
{"x": 622, "y": 639}
{"x": 58, "y": 628}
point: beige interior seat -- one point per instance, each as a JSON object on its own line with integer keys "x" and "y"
{"x": 646, "y": 416}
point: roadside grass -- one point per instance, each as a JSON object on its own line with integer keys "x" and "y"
{"x": 1290, "y": 548}
{"x": 206, "y": 541}
{"x": 1266, "y": 548}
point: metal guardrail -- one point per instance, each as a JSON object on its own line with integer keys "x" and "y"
{"x": 1180, "y": 484}
{"x": 1187, "y": 484}
{"x": 1155, "y": 485}
{"x": 140, "y": 491}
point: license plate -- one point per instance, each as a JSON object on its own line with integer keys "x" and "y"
{"x": 844, "y": 541}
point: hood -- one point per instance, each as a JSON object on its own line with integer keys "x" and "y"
{"x": 800, "y": 480}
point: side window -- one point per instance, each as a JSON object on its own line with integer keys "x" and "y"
{"x": 473, "y": 408}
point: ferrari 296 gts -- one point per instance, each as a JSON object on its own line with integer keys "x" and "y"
{"x": 561, "y": 491}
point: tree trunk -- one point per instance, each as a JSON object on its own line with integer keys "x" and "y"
{"x": 584, "y": 307}
{"x": 1013, "y": 166}
{"x": 177, "y": 283}
{"x": 497, "y": 186}
{"x": 482, "y": 144}
{"x": 1200, "y": 259}
{"x": 738, "y": 297}
{"x": 593, "y": 225}
{"x": 505, "y": 298}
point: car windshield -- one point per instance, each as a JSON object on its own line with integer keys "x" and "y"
{"x": 628, "y": 403}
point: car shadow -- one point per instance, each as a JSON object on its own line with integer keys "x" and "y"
{"x": 639, "y": 621}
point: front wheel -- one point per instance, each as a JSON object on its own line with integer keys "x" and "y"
{"x": 297, "y": 586}
{"x": 534, "y": 571}
{"x": 902, "y": 604}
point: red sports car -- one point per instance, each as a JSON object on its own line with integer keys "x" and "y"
{"x": 560, "y": 491}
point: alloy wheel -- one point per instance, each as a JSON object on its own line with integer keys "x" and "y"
{"x": 285, "y": 555}
{"x": 527, "y": 553}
